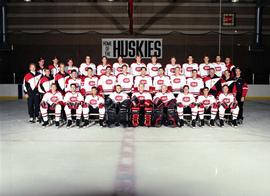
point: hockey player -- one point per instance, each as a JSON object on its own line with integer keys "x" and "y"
{"x": 207, "y": 104}
{"x": 73, "y": 102}
{"x": 93, "y": 103}
{"x": 51, "y": 101}
{"x": 189, "y": 66}
{"x": 160, "y": 80}
{"x": 118, "y": 108}
{"x": 45, "y": 82}
{"x": 106, "y": 83}
{"x": 71, "y": 67}
{"x": 30, "y": 88}
{"x": 88, "y": 82}
{"x": 219, "y": 66}
{"x": 227, "y": 102}
{"x": 117, "y": 67}
{"x": 195, "y": 83}
{"x": 142, "y": 107}
{"x": 101, "y": 68}
{"x": 84, "y": 66}
{"x": 186, "y": 103}
{"x": 230, "y": 66}
{"x": 125, "y": 80}
{"x": 170, "y": 68}
{"x": 204, "y": 67}
{"x": 73, "y": 79}
{"x": 41, "y": 66}
{"x": 135, "y": 68}
{"x": 153, "y": 67}
{"x": 54, "y": 68}
{"x": 178, "y": 80}
{"x": 60, "y": 78}
{"x": 226, "y": 79}
{"x": 241, "y": 92}
{"x": 213, "y": 82}
{"x": 145, "y": 79}
{"x": 164, "y": 108}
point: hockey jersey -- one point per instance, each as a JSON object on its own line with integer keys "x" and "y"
{"x": 195, "y": 85}
{"x": 70, "y": 81}
{"x": 106, "y": 84}
{"x": 142, "y": 95}
{"x": 117, "y": 68}
{"x": 164, "y": 97}
{"x": 226, "y": 99}
{"x": 94, "y": 101}
{"x": 219, "y": 67}
{"x": 161, "y": 80}
{"x": 73, "y": 97}
{"x": 69, "y": 69}
{"x": 88, "y": 83}
{"x": 204, "y": 69}
{"x": 170, "y": 69}
{"x": 187, "y": 69}
{"x": 185, "y": 99}
{"x": 53, "y": 98}
{"x": 177, "y": 83}
{"x": 83, "y": 68}
{"x": 135, "y": 68}
{"x": 146, "y": 80}
{"x": 152, "y": 69}
{"x": 118, "y": 97}
{"x": 206, "y": 101}
{"x": 126, "y": 82}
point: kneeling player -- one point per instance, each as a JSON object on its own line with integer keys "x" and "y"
{"x": 51, "y": 101}
{"x": 228, "y": 103}
{"x": 118, "y": 108}
{"x": 93, "y": 103}
{"x": 164, "y": 108}
{"x": 142, "y": 107}
{"x": 207, "y": 104}
{"x": 186, "y": 104}
{"x": 73, "y": 100}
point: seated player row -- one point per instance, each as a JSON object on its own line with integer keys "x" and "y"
{"x": 139, "y": 109}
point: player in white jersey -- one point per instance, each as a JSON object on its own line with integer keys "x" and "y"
{"x": 73, "y": 79}
{"x": 125, "y": 80}
{"x": 189, "y": 66}
{"x": 195, "y": 83}
{"x": 118, "y": 107}
{"x": 204, "y": 67}
{"x": 227, "y": 102}
{"x": 160, "y": 80}
{"x": 71, "y": 67}
{"x": 164, "y": 108}
{"x": 73, "y": 102}
{"x": 152, "y": 68}
{"x": 142, "y": 107}
{"x": 178, "y": 80}
{"x": 84, "y": 66}
{"x": 207, "y": 104}
{"x": 93, "y": 103}
{"x": 135, "y": 68}
{"x": 107, "y": 82}
{"x": 186, "y": 103}
{"x": 101, "y": 68}
{"x": 117, "y": 66}
{"x": 219, "y": 66}
{"x": 51, "y": 101}
{"x": 145, "y": 79}
{"x": 170, "y": 68}
{"x": 88, "y": 82}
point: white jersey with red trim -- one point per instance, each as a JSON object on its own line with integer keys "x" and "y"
{"x": 118, "y": 97}
{"x": 226, "y": 99}
{"x": 126, "y": 82}
{"x": 195, "y": 85}
{"x": 207, "y": 101}
{"x": 219, "y": 67}
{"x": 69, "y": 69}
{"x": 117, "y": 68}
{"x": 107, "y": 83}
{"x": 88, "y": 83}
{"x": 158, "y": 81}
{"x": 101, "y": 69}
{"x": 187, "y": 69}
{"x": 76, "y": 81}
{"x": 177, "y": 83}
{"x": 75, "y": 97}
{"x": 204, "y": 69}
{"x": 83, "y": 68}
{"x": 164, "y": 97}
{"x": 146, "y": 80}
{"x": 142, "y": 95}
{"x": 50, "y": 98}
{"x": 186, "y": 100}
{"x": 152, "y": 69}
{"x": 94, "y": 101}
{"x": 170, "y": 69}
{"x": 54, "y": 69}
{"x": 135, "y": 68}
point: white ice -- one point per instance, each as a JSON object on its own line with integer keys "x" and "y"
{"x": 134, "y": 161}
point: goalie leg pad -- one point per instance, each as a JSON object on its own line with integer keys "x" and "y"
{"x": 148, "y": 116}
{"x": 135, "y": 116}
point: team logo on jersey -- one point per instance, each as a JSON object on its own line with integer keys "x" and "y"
{"x": 126, "y": 80}
{"x": 73, "y": 99}
{"x": 194, "y": 84}
{"x": 141, "y": 97}
{"x": 164, "y": 98}
{"x": 172, "y": 70}
{"x": 160, "y": 82}
{"x": 176, "y": 80}
{"x": 138, "y": 68}
{"x": 154, "y": 68}
{"x": 143, "y": 82}
{"x": 118, "y": 97}
{"x": 103, "y": 71}
{"x": 206, "y": 102}
{"x": 93, "y": 102}
{"x": 207, "y": 67}
{"x": 186, "y": 99}
{"x": 189, "y": 68}
{"x": 218, "y": 68}
{"x": 226, "y": 100}
{"x": 119, "y": 69}
{"x": 54, "y": 99}
{"x": 109, "y": 81}
{"x": 92, "y": 83}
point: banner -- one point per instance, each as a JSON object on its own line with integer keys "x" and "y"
{"x": 129, "y": 48}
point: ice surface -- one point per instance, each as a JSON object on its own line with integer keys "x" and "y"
{"x": 135, "y": 161}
